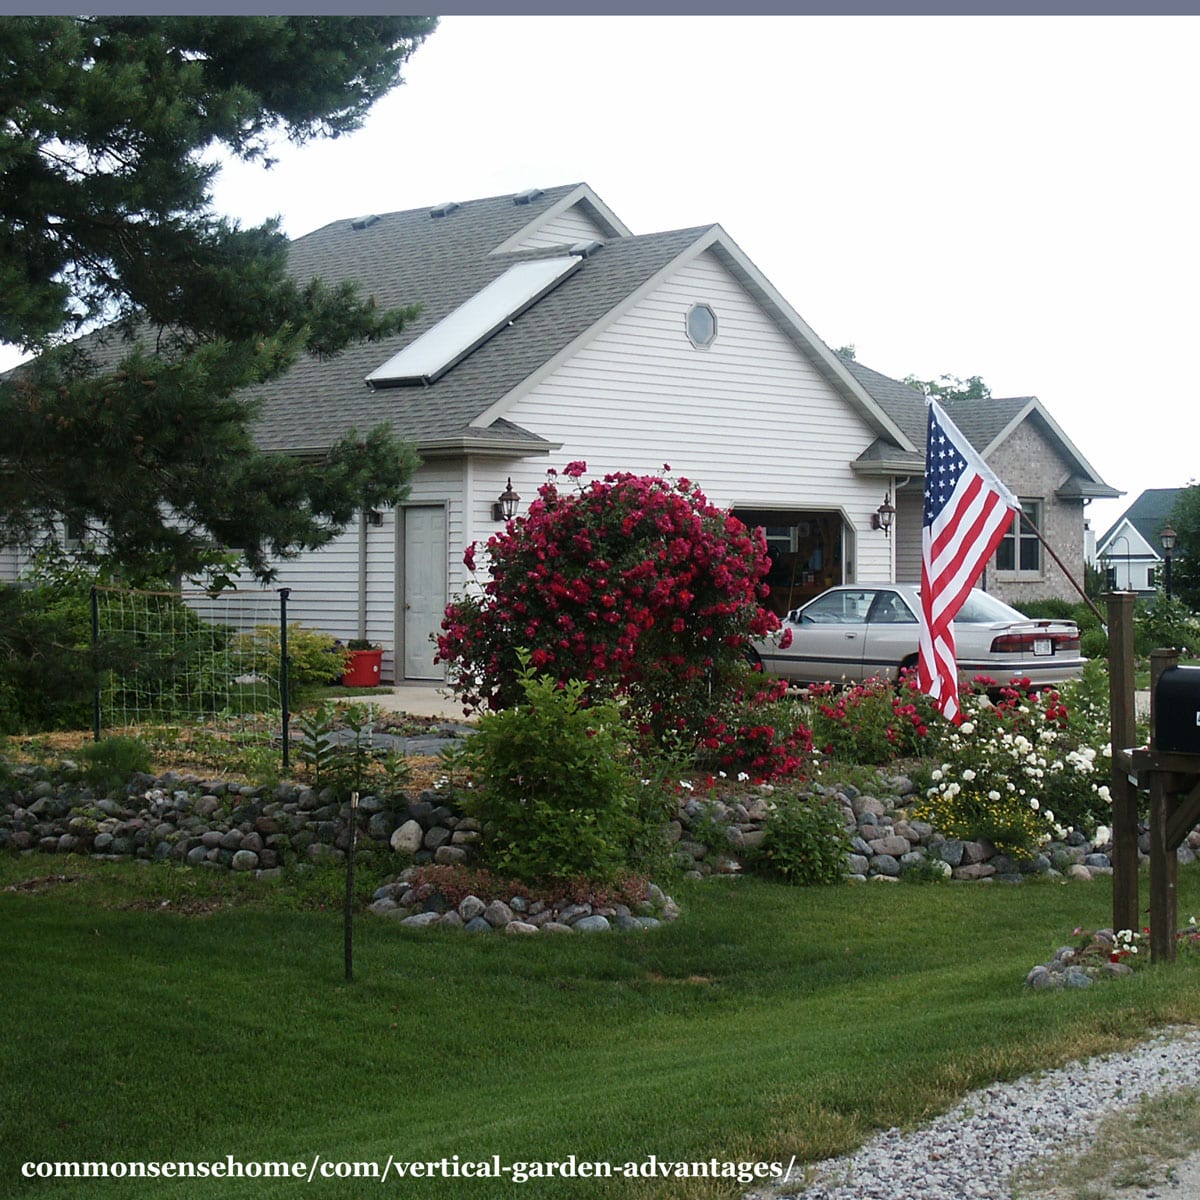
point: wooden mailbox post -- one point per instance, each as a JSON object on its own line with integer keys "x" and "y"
{"x": 1123, "y": 730}
{"x": 1172, "y": 779}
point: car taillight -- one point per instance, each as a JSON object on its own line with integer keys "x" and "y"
{"x": 1025, "y": 643}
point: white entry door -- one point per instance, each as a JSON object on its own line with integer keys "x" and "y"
{"x": 424, "y": 588}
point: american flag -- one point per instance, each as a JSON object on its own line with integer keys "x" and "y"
{"x": 967, "y": 512}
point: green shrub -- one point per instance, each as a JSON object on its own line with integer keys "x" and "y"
{"x": 1093, "y": 643}
{"x": 805, "y": 841}
{"x": 46, "y": 665}
{"x": 153, "y": 653}
{"x": 928, "y": 870}
{"x": 1056, "y": 609}
{"x": 553, "y": 784}
{"x": 1052, "y": 608}
{"x": 110, "y": 764}
{"x": 1164, "y": 623}
{"x": 314, "y": 658}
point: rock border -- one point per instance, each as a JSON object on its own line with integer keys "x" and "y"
{"x": 422, "y": 906}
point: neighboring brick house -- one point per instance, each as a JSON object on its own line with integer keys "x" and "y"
{"x": 1027, "y": 449}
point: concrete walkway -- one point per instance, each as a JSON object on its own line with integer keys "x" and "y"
{"x": 431, "y": 699}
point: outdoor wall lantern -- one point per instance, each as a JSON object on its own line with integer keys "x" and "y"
{"x": 505, "y": 508}
{"x": 1167, "y": 538}
{"x": 884, "y": 515}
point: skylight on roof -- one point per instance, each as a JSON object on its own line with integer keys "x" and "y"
{"x": 455, "y": 336}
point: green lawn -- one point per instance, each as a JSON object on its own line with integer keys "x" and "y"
{"x": 767, "y": 1022}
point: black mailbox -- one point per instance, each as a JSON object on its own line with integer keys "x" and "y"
{"x": 1177, "y": 710}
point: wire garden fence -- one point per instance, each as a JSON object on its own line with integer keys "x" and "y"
{"x": 178, "y": 657}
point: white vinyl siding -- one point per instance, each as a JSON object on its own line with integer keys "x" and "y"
{"x": 749, "y": 417}
{"x": 325, "y": 584}
{"x": 569, "y": 227}
{"x": 906, "y": 531}
{"x": 11, "y": 564}
{"x": 324, "y": 587}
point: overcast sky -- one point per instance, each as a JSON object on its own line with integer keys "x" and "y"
{"x": 1010, "y": 197}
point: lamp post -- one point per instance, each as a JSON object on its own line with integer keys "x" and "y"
{"x": 1167, "y": 538}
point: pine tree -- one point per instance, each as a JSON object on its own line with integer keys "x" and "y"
{"x": 151, "y": 316}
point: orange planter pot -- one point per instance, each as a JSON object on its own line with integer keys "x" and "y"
{"x": 363, "y": 668}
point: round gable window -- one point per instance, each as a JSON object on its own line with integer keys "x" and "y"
{"x": 701, "y": 325}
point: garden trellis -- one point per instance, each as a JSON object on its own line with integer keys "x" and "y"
{"x": 171, "y": 657}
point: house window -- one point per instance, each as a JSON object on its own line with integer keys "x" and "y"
{"x": 701, "y": 325}
{"x": 1151, "y": 577}
{"x": 1020, "y": 551}
{"x": 74, "y": 534}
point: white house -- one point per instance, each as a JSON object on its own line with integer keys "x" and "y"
{"x": 1130, "y": 551}
{"x": 550, "y": 333}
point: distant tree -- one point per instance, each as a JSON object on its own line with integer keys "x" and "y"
{"x": 1185, "y": 559}
{"x": 849, "y": 352}
{"x": 142, "y": 433}
{"x": 948, "y": 388}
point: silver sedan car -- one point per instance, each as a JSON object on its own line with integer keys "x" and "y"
{"x": 849, "y": 633}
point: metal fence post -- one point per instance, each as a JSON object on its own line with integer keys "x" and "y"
{"x": 284, "y": 699}
{"x": 95, "y": 664}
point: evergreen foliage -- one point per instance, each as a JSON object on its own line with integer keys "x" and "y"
{"x": 1185, "y": 560}
{"x": 107, "y": 231}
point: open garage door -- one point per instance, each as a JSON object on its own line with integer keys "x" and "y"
{"x": 807, "y": 551}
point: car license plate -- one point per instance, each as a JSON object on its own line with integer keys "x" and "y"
{"x": 1042, "y": 646}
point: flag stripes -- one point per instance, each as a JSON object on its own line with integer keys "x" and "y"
{"x": 967, "y": 513}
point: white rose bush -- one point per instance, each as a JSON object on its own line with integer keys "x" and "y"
{"x": 1022, "y": 769}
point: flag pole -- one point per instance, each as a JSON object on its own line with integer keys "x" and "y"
{"x": 1074, "y": 582}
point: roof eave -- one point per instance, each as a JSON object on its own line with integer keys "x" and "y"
{"x": 1088, "y": 491}
{"x": 485, "y": 447}
{"x": 897, "y": 464}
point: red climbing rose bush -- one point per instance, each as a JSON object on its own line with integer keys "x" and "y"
{"x": 636, "y": 585}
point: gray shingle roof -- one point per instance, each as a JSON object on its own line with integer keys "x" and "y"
{"x": 904, "y": 404}
{"x": 981, "y": 422}
{"x": 1147, "y": 514}
{"x": 439, "y": 263}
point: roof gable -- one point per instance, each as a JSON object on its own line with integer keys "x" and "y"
{"x": 618, "y": 297}
{"x": 1146, "y": 515}
{"x": 986, "y": 423}
{"x": 1130, "y": 541}
{"x": 579, "y": 196}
